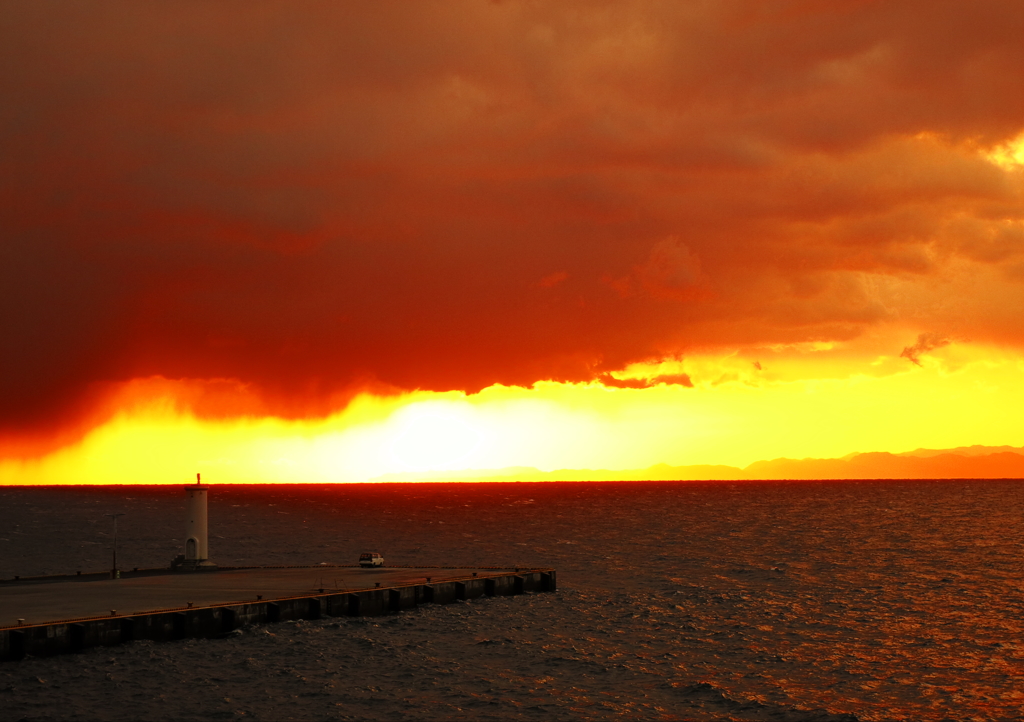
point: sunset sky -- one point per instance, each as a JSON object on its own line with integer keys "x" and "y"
{"x": 329, "y": 241}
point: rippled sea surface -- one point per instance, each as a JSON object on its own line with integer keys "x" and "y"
{"x": 745, "y": 601}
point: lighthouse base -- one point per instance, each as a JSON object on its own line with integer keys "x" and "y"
{"x": 181, "y": 564}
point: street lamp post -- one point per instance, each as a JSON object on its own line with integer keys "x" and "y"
{"x": 113, "y": 571}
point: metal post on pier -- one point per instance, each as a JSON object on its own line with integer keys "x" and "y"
{"x": 114, "y": 573}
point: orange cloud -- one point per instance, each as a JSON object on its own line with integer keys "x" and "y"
{"x": 306, "y": 203}
{"x": 553, "y": 279}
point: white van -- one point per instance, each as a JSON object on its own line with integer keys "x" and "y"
{"x": 371, "y": 559}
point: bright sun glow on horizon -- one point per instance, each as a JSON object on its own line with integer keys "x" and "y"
{"x": 435, "y": 435}
{"x": 735, "y": 414}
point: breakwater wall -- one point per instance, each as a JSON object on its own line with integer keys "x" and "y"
{"x": 215, "y": 620}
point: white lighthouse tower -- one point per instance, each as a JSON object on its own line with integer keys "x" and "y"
{"x": 197, "y": 550}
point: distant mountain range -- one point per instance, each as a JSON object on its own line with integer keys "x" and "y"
{"x": 965, "y": 462}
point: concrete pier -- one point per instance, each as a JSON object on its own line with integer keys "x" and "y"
{"x": 54, "y": 615}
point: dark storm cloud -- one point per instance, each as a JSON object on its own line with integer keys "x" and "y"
{"x": 308, "y": 197}
{"x": 925, "y": 342}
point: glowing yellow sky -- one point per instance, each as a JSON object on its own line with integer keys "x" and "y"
{"x": 807, "y": 401}
{"x": 1010, "y": 155}
{"x": 202, "y": 261}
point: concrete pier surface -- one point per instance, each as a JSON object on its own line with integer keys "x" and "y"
{"x": 54, "y": 615}
{"x": 49, "y": 600}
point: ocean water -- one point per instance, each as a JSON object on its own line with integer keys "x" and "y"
{"x": 680, "y": 601}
